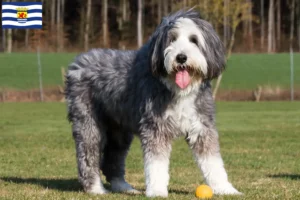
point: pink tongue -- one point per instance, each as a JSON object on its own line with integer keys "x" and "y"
{"x": 182, "y": 79}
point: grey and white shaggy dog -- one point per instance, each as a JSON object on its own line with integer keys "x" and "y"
{"x": 159, "y": 92}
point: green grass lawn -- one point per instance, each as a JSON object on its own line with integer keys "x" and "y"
{"x": 259, "y": 143}
{"x": 20, "y": 70}
{"x": 244, "y": 71}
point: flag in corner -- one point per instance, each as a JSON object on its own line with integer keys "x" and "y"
{"x": 26, "y": 15}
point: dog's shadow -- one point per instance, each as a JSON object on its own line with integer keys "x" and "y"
{"x": 176, "y": 191}
{"x": 64, "y": 185}
{"x": 285, "y": 176}
{"x": 70, "y": 185}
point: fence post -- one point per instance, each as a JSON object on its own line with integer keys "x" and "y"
{"x": 292, "y": 72}
{"x": 40, "y": 73}
{"x": 63, "y": 75}
{"x": 2, "y": 91}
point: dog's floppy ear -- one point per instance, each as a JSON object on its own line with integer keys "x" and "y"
{"x": 214, "y": 51}
{"x": 157, "y": 45}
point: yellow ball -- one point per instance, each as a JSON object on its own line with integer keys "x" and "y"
{"x": 204, "y": 192}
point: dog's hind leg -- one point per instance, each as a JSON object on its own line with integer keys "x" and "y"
{"x": 113, "y": 162}
{"x": 89, "y": 138}
{"x": 88, "y": 141}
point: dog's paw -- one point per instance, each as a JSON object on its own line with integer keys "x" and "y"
{"x": 122, "y": 186}
{"x": 157, "y": 193}
{"x": 133, "y": 191}
{"x": 97, "y": 190}
{"x": 225, "y": 189}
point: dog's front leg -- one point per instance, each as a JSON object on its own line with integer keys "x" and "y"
{"x": 205, "y": 147}
{"x": 156, "y": 149}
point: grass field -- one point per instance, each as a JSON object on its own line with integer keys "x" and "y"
{"x": 244, "y": 71}
{"x": 259, "y": 142}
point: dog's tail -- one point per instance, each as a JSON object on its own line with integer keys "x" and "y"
{"x": 77, "y": 85}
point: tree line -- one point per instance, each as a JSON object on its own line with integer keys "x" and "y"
{"x": 77, "y": 25}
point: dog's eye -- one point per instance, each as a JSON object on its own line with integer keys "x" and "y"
{"x": 194, "y": 39}
{"x": 173, "y": 39}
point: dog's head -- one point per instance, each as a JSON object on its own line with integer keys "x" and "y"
{"x": 185, "y": 51}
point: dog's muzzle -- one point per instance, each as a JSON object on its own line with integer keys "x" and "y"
{"x": 184, "y": 73}
{"x": 182, "y": 76}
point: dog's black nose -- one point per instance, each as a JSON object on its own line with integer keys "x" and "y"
{"x": 181, "y": 58}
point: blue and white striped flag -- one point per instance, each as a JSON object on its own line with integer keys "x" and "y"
{"x": 22, "y": 15}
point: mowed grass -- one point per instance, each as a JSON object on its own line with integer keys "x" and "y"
{"x": 259, "y": 143}
{"x": 20, "y": 70}
{"x": 244, "y": 71}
